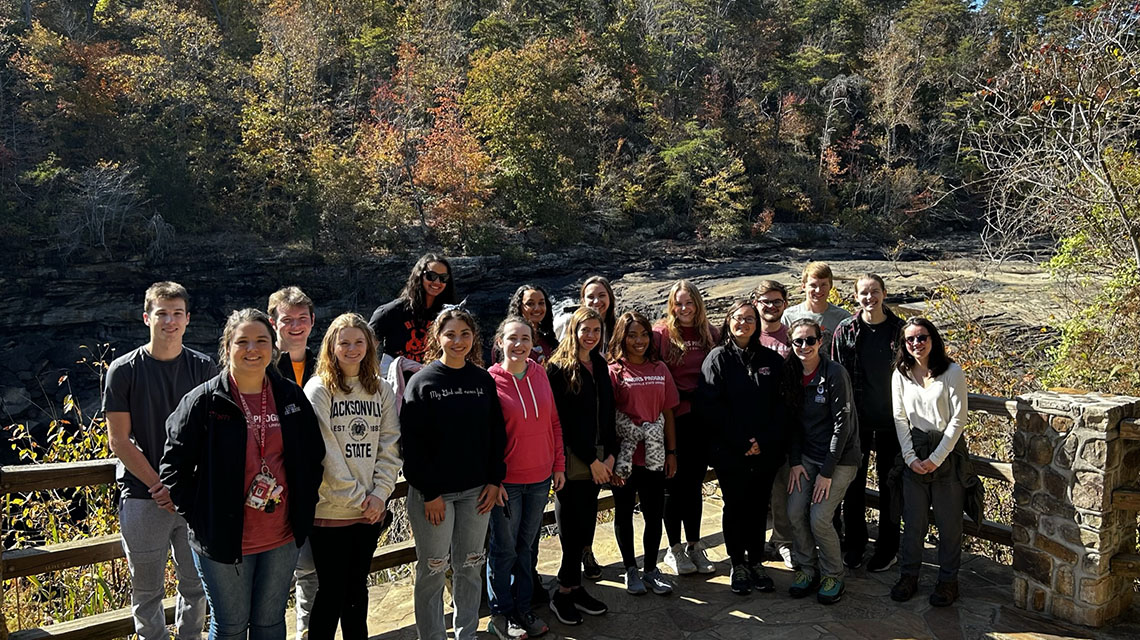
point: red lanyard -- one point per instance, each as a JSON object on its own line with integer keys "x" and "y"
{"x": 264, "y": 422}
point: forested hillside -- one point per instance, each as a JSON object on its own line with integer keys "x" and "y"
{"x": 349, "y": 125}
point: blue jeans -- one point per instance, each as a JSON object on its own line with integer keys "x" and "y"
{"x": 512, "y": 547}
{"x": 461, "y": 536}
{"x": 249, "y": 597}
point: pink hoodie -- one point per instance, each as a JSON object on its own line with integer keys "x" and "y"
{"x": 534, "y": 435}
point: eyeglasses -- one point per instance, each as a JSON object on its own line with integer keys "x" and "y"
{"x": 919, "y": 339}
{"x": 809, "y": 341}
{"x": 744, "y": 319}
{"x": 778, "y": 302}
{"x": 432, "y": 276}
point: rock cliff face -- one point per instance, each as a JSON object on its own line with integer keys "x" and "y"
{"x": 62, "y": 318}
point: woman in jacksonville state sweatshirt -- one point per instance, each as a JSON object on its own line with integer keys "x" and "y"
{"x": 356, "y": 410}
{"x": 535, "y": 459}
{"x": 452, "y": 437}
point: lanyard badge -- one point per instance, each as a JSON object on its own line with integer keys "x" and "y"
{"x": 264, "y": 493}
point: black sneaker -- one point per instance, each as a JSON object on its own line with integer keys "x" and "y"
{"x": 741, "y": 581}
{"x": 591, "y": 570}
{"x": 760, "y": 580}
{"x": 881, "y": 561}
{"x": 586, "y": 603}
{"x": 562, "y": 604}
{"x": 853, "y": 559}
{"x": 539, "y": 595}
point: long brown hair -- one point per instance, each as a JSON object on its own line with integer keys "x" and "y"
{"x": 938, "y": 360}
{"x": 674, "y": 351}
{"x": 617, "y": 343}
{"x": 565, "y": 357}
{"x": 328, "y": 368}
{"x": 434, "y": 351}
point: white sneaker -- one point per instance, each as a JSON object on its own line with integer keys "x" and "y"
{"x": 697, "y": 556}
{"x": 677, "y": 559}
{"x": 786, "y": 554}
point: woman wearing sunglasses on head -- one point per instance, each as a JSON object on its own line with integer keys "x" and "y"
{"x": 402, "y": 325}
{"x": 824, "y": 458}
{"x": 930, "y": 408}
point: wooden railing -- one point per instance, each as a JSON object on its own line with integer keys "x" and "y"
{"x": 118, "y": 623}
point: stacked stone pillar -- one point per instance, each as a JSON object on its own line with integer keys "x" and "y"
{"x": 1069, "y": 457}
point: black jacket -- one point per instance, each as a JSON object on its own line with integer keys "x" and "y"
{"x": 285, "y": 366}
{"x": 845, "y": 345}
{"x": 740, "y": 397}
{"x": 587, "y": 417}
{"x": 827, "y": 424}
{"x": 204, "y": 463}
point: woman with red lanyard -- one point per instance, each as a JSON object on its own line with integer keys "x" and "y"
{"x": 243, "y": 465}
{"x": 683, "y": 338}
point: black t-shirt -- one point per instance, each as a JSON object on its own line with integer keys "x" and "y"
{"x": 149, "y": 390}
{"x": 400, "y": 331}
{"x": 875, "y": 361}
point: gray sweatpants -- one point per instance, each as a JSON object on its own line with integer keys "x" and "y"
{"x": 781, "y": 525}
{"x": 811, "y": 523}
{"x": 306, "y": 578}
{"x": 945, "y": 495}
{"x": 149, "y": 533}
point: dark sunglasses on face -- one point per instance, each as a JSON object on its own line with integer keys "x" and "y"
{"x": 809, "y": 341}
{"x": 919, "y": 339}
{"x": 432, "y": 276}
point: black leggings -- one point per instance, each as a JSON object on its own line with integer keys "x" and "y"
{"x": 343, "y": 557}
{"x": 576, "y": 511}
{"x": 746, "y": 488}
{"x": 683, "y": 499}
{"x": 648, "y": 487}
{"x": 885, "y": 444}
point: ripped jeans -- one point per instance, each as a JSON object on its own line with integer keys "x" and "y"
{"x": 458, "y": 543}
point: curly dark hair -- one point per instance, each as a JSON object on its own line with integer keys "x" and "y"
{"x": 413, "y": 291}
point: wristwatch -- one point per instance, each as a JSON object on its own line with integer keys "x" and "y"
{"x": 670, "y": 452}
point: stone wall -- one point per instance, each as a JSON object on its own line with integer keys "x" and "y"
{"x": 1069, "y": 457}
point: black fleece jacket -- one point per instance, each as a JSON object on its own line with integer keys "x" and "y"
{"x": 740, "y": 398}
{"x": 203, "y": 464}
{"x": 587, "y": 416}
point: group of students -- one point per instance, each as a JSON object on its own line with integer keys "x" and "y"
{"x": 280, "y": 467}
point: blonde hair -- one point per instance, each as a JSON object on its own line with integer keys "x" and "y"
{"x": 565, "y": 356}
{"x": 328, "y": 368}
{"x": 818, "y": 270}
{"x": 673, "y": 352}
{"x": 434, "y": 351}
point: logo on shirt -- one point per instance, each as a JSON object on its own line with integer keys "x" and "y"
{"x": 764, "y": 371}
{"x": 290, "y": 409}
{"x": 358, "y": 428}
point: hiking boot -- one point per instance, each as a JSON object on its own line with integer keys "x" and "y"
{"x": 562, "y": 604}
{"x": 741, "y": 581}
{"x": 590, "y": 567}
{"x": 853, "y": 559}
{"x": 633, "y": 583}
{"x": 760, "y": 580}
{"x": 803, "y": 585}
{"x": 657, "y": 582}
{"x": 587, "y": 603}
{"x": 505, "y": 628}
{"x": 677, "y": 559}
{"x": 881, "y": 561}
{"x": 700, "y": 560}
{"x": 534, "y": 625}
{"x": 945, "y": 593}
{"x": 905, "y": 588}
{"x": 830, "y": 590}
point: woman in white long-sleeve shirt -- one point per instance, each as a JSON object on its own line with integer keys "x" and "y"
{"x": 357, "y": 413}
{"x": 930, "y": 404}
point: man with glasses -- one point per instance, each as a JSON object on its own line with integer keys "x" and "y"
{"x": 292, "y": 315}
{"x": 771, "y": 298}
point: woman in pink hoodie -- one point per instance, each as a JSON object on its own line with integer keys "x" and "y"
{"x": 535, "y": 460}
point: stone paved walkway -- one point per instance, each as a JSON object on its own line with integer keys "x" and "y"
{"x": 703, "y": 607}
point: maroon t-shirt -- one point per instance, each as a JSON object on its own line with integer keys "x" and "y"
{"x": 264, "y": 531}
{"x": 777, "y": 341}
{"x": 643, "y": 392}
{"x": 686, "y": 374}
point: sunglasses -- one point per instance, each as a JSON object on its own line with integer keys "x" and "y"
{"x": 809, "y": 341}
{"x": 919, "y": 339}
{"x": 432, "y": 276}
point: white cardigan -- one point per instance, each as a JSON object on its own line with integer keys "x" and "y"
{"x": 940, "y": 407}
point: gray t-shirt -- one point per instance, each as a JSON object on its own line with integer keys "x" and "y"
{"x": 149, "y": 390}
{"x": 828, "y": 320}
